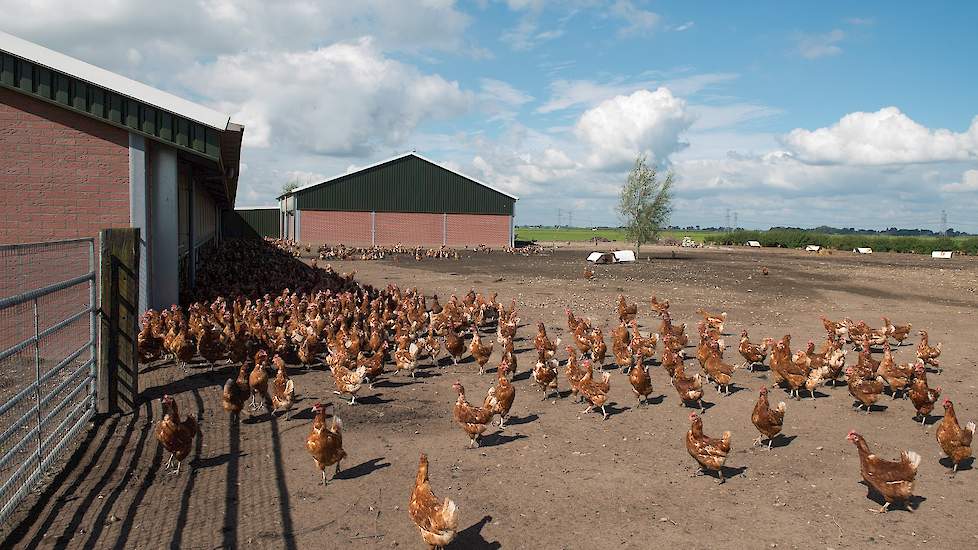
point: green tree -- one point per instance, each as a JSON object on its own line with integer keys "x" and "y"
{"x": 290, "y": 186}
{"x": 645, "y": 203}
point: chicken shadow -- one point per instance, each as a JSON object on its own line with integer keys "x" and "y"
{"x": 911, "y": 506}
{"x": 374, "y": 399}
{"x": 874, "y": 407}
{"x": 706, "y": 405}
{"x": 471, "y": 537}
{"x": 525, "y": 375}
{"x": 657, "y": 400}
{"x": 430, "y": 372}
{"x": 212, "y": 461}
{"x": 734, "y": 389}
{"x": 305, "y": 413}
{"x": 496, "y": 439}
{"x": 613, "y": 409}
{"x": 363, "y": 469}
{"x": 730, "y": 472}
{"x": 391, "y": 384}
{"x": 782, "y": 441}
{"x": 929, "y": 420}
{"x": 258, "y": 418}
{"x": 963, "y": 466}
{"x": 517, "y": 420}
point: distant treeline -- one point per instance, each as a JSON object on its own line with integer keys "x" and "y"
{"x": 917, "y": 243}
{"x": 822, "y": 229}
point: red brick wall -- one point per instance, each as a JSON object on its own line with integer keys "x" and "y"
{"x": 476, "y": 229}
{"x": 349, "y": 228}
{"x": 62, "y": 174}
{"x": 409, "y": 229}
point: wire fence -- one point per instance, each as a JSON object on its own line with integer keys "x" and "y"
{"x": 47, "y": 358}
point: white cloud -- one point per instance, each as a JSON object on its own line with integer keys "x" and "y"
{"x": 711, "y": 117}
{"x": 883, "y": 137}
{"x": 814, "y": 46}
{"x": 567, "y": 94}
{"x": 684, "y": 27}
{"x": 620, "y": 128}
{"x": 636, "y": 20}
{"x": 775, "y": 188}
{"x": 169, "y": 33}
{"x": 304, "y": 178}
{"x": 526, "y": 35}
{"x": 861, "y": 21}
{"x": 968, "y": 183}
{"x": 342, "y": 99}
{"x": 501, "y": 99}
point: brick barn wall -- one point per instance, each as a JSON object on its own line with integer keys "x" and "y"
{"x": 406, "y": 228}
{"x": 409, "y": 228}
{"x": 62, "y": 175}
{"x": 476, "y": 229}
{"x": 349, "y": 228}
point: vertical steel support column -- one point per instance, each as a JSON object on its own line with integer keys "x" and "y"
{"x": 444, "y": 229}
{"x": 373, "y": 228}
{"x": 191, "y": 233}
{"x": 512, "y": 231}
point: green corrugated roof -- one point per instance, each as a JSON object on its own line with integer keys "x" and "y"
{"x": 408, "y": 183}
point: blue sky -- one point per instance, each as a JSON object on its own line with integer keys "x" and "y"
{"x": 788, "y": 113}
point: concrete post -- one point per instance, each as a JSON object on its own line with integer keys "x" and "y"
{"x": 373, "y": 228}
{"x": 139, "y": 214}
{"x": 164, "y": 222}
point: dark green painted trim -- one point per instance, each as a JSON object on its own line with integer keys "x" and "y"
{"x": 112, "y": 108}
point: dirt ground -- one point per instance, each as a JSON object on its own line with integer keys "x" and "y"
{"x": 554, "y": 478}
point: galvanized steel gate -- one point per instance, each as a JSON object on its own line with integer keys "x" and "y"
{"x": 48, "y": 358}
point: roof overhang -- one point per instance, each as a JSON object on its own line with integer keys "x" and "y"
{"x": 70, "y": 83}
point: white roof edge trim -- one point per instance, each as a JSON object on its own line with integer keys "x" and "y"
{"x": 60, "y": 62}
{"x": 396, "y": 157}
{"x": 273, "y": 207}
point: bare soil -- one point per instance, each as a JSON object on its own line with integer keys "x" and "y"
{"x": 554, "y": 478}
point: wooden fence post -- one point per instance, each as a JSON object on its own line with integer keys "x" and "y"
{"x": 118, "y": 366}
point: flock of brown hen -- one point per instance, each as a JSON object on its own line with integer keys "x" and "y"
{"x": 357, "y": 331}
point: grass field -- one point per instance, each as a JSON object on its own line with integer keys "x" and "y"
{"x": 780, "y": 238}
{"x": 579, "y": 234}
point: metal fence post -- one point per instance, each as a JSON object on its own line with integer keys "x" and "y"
{"x": 37, "y": 387}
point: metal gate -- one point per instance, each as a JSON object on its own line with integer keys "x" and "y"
{"x": 48, "y": 358}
